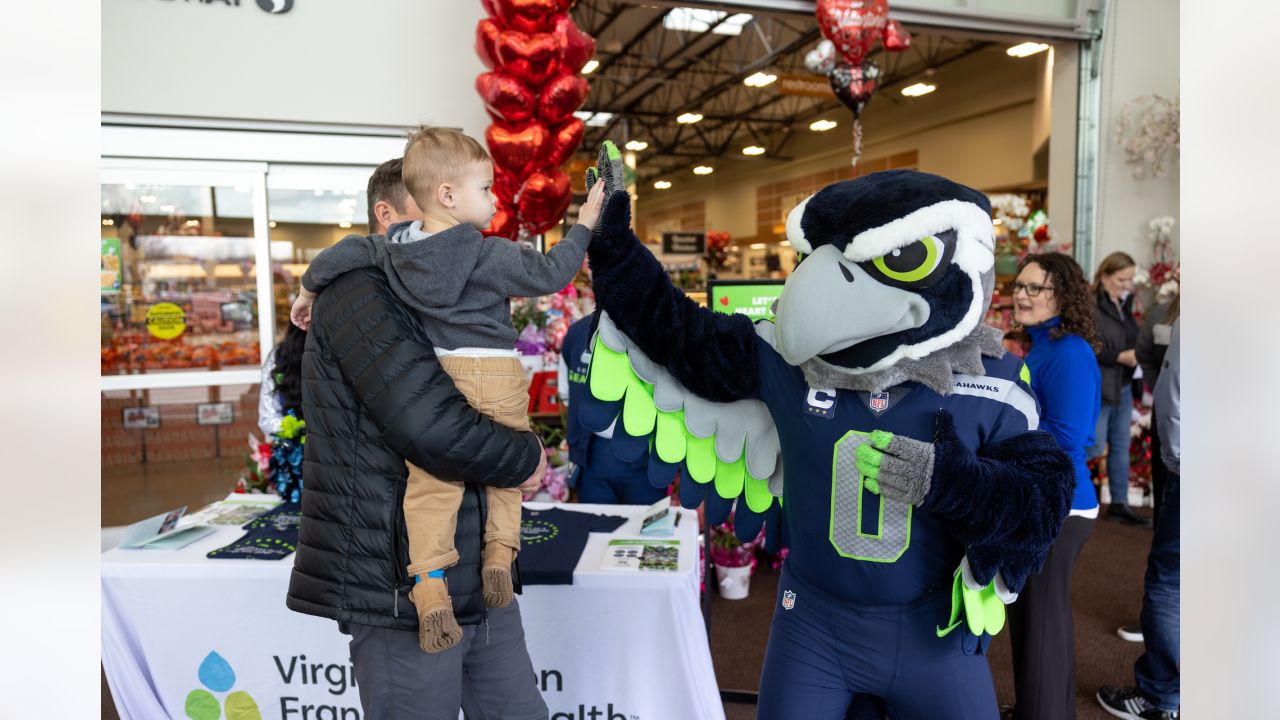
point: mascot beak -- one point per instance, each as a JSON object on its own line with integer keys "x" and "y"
{"x": 830, "y": 303}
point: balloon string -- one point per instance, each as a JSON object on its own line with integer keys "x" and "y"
{"x": 857, "y": 142}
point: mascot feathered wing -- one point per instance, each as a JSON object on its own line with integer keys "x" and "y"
{"x": 907, "y": 438}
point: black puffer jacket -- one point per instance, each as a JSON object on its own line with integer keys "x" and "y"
{"x": 375, "y": 395}
{"x": 1117, "y": 332}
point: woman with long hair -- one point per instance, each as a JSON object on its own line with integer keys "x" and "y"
{"x": 1054, "y": 305}
{"x": 281, "y": 388}
{"x": 1117, "y": 358}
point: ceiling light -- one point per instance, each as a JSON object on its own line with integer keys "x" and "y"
{"x": 689, "y": 118}
{"x": 192, "y": 223}
{"x": 757, "y": 246}
{"x": 703, "y": 170}
{"x": 1026, "y": 49}
{"x": 822, "y": 125}
{"x": 344, "y": 225}
{"x": 759, "y": 80}
{"x": 636, "y": 145}
{"x": 997, "y": 221}
{"x": 147, "y": 198}
{"x": 662, "y": 185}
{"x": 271, "y": 224}
{"x": 167, "y": 208}
{"x": 108, "y": 222}
{"x": 919, "y": 89}
{"x": 753, "y": 150}
{"x": 590, "y": 67}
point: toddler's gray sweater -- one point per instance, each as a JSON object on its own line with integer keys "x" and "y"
{"x": 458, "y": 280}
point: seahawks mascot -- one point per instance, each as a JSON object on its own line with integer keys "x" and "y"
{"x": 878, "y": 418}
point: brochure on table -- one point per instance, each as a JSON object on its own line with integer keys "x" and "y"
{"x": 237, "y": 509}
{"x": 162, "y": 532}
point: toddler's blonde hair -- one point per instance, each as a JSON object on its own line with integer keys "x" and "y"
{"x": 437, "y": 155}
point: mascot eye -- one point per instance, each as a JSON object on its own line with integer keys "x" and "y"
{"x": 919, "y": 264}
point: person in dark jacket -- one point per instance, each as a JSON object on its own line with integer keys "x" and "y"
{"x": 375, "y": 397}
{"x": 598, "y": 474}
{"x": 1051, "y": 299}
{"x": 1118, "y": 333}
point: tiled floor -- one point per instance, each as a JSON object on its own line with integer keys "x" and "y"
{"x": 132, "y": 493}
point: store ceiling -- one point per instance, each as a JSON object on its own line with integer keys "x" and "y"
{"x": 651, "y": 71}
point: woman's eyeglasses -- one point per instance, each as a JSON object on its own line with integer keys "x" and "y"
{"x": 1032, "y": 289}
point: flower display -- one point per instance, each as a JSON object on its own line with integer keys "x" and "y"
{"x": 728, "y": 551}
{"x": 1148, "y": 131}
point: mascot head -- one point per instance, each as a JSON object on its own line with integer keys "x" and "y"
{"x": 896, "y": 275}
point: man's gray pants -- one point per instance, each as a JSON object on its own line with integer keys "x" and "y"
{"x": 488, "y": 674}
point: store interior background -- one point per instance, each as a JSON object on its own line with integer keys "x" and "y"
{"x": 995, "y": 122}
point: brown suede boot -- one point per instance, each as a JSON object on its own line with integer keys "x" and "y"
{"x": 495, "y": 573}
{"x": 437, "y": 628}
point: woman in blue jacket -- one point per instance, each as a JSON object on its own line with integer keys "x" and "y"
{"x": 1052, "y": 301}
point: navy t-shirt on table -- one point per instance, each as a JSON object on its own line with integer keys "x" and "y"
{"x": 551, "y": 542}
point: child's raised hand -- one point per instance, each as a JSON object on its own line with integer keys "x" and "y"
{"x": 300, "y": 313}
{"x": 589, "y": 215}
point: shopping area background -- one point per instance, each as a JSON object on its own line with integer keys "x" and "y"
{"x": 196, "y": 198}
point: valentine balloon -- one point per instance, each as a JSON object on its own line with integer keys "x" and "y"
{"x": 896, "y": 37}
{"x": 505, "y": 186}
{"x": 853, "y": 26}
{"x": 854, "y": 85}
{"x": 577, "y": 46}
{"x": 561, "y": 96}
{"x": 530, "y": 16}
{"x": 517, "y": 148}
{"x": 487, "y": 32}
{"x": 533, "y": 58}
{"x": 821, "y": 59}
{"x": 565, "y": 139}
{"x": 544, "y": 198}
{"x": 503, "y": 223}
{"x": 506, "y": 98}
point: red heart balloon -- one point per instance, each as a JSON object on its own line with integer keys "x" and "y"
{"x": 565, "y": 140}
{"x": 544, "y": 198}
{"x": 505, "y": 186}
{"x": 487, "y": 32}
{"x": 853, "y": 26}
{"x": 561, "y": 96}
{"x": 532, "y": 58}
{"x": 529, "y": 16}
{"x": 578, "y": 47}
{"x": 896, "y": 37}
{"x": 515, "y": 149}
{"x": 506, "y": 98}
{"x": 503, "y": 223}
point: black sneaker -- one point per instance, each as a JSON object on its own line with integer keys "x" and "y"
{"x": 1122, "y": 513}
{"x": 1132, "y": 633}
{"x": 1128, "y": 703}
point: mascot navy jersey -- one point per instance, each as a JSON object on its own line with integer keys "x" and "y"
{"x": 896, "y": 553}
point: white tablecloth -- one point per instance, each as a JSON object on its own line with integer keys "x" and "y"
{"x": 629, "y": 646}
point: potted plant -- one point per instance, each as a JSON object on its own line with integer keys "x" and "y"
{"x": 734, "y": 560}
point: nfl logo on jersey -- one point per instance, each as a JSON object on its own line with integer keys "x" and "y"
{"x": 879, "y": 401}
{"x": 788, "y": 600}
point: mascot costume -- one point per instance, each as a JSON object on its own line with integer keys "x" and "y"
{"x": 899, "y": 441}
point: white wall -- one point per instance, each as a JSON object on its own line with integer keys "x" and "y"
{"x": 1140, "y": 57}
{"x": 377, "y": 62}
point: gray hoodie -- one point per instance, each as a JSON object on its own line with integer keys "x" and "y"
{"x": 458, "y": 280}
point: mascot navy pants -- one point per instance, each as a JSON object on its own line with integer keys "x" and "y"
{"x": 823, "y": 650}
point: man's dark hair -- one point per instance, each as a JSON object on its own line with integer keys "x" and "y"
{"x": 386, "y": 183}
